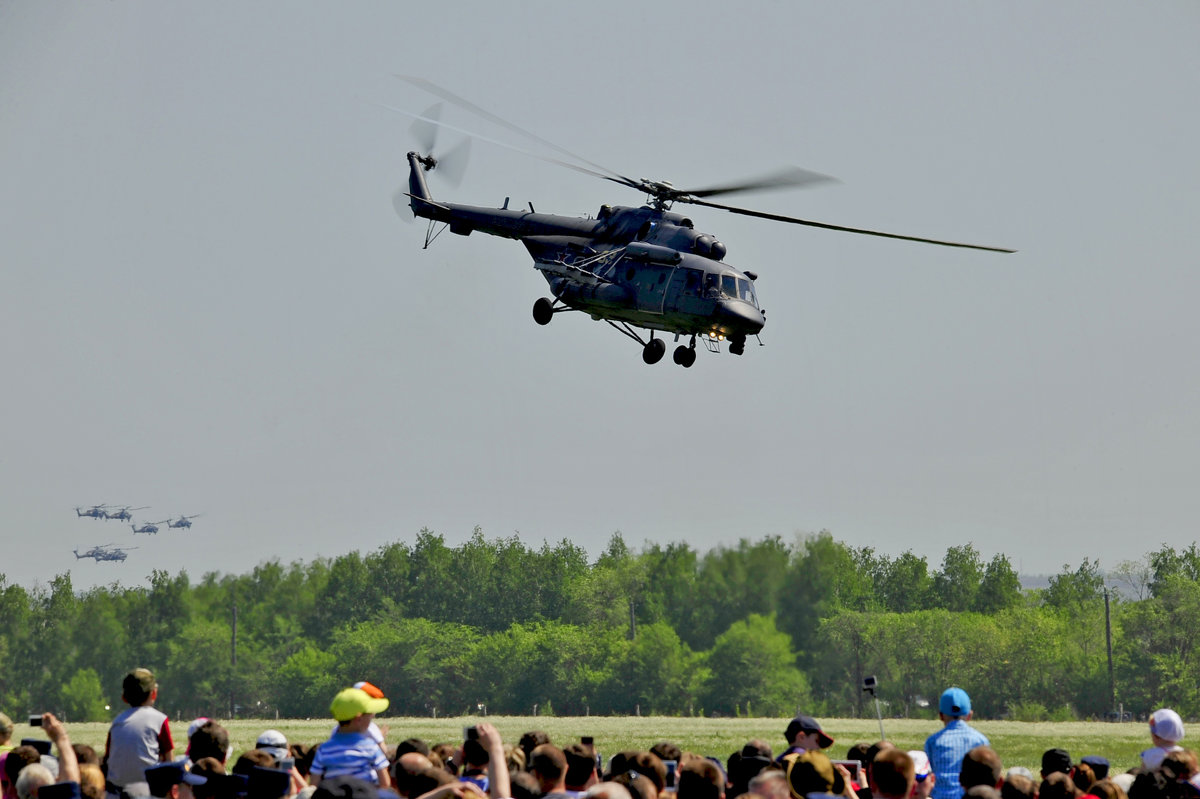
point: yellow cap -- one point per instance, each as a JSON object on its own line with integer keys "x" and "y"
{"x": 352, "y": 702}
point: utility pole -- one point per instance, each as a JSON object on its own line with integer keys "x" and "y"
{"x": 1112, "y": 684}
{"x": 233, "y": 664}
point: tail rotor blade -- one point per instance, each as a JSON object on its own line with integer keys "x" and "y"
{"x": 453, "y": 165}
{"x": 425, "y": 128}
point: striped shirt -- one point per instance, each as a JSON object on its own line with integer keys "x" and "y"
{"x": 349, "y": 753}
{"x": 946, "y": 749}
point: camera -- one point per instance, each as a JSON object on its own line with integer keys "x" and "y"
{"x": 587, "y": 740}
{"x": 869, "y": 684}
{"x": 35, "y": 721}
{"x": 470, "y": 733}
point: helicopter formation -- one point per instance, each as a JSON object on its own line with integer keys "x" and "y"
{"x": 111, "y": 552}
{"x": 637, "y": 269}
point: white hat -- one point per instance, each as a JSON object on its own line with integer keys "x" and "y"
{"x": 273, "y": 741}
{"x": 197, "y": 724}
{"x": 1166, "y": 724}
{"x": 920, "y": 762}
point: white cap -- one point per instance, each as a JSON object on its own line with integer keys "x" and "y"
{"x": 920, "y": 762}
{"x": 197, "y": 724}
{"x": 1166, "y": 724}
{"x": 273, "y": 741}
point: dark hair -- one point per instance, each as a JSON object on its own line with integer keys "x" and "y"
{"x": 859, "y": 752}
{"x": 474, "y": 754}
{"x": 548, "y": 763}
{"x": 18, "y": 759}
{"x": 210, "y": 740}
{"x": 445, "y": 751}
{"x": 428, "y": 779}
{"x": 303, "y": 755}
{"x": 254, "y": 757}
{"x": 893, "y": 772}
{"x": 700, "y": 779}
{"x": 665, "y": 750}
{"x": 524, "y": 785}
{"x": 412, "y": 745}
{"x": 980, "y": 766}
{"x": 1018, "y": 786}
{"x": 85, "y": 754}
{"x": 532, "y": 740}
{"x": 638, "y": 784}
{"x": 137, "y": 686}
{"x": 1058, "y": 786}
{"x": 1106, "y": 789}
{"x": 1084, "y": 777}
{"x": 581, "y": 763}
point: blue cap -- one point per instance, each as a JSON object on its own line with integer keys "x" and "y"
{"x": 954, "y": 702}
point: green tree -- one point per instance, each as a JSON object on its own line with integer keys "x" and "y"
{"x": 752, "y": 670}
{"x": 1000, "y": 587}
{"x": 957, "y": 583}
{"x": 82, "y": 698}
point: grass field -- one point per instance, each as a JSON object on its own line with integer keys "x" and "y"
{"x": 1018, "y": 743}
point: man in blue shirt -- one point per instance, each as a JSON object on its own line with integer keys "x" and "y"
{"x": 351, "y": 751}
{"x": 947, "y": 747}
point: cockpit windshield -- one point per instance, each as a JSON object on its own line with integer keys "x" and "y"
{"x": 739, "y": 287}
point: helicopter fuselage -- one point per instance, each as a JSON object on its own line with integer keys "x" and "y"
{"x": 644, "y": 267}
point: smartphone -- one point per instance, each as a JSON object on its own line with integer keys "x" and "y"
{"x": 855, "y": 769}
{"x": 35, "y": 721}
{"x": 470, "y": 733}
{"x": 287, "y": 763}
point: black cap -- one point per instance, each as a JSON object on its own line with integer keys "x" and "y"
{"x": 1056, "y": 760}
{"x": 807, "y": 724}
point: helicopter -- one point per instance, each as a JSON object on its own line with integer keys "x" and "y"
{"x": 149, "y": 527}
{"x": 104, "y": 552}
{"x": 644, "y": 267}
{"x": 183, "y": 521}
{"x": 124, "y": 513}
{"x": 95, "y": 512}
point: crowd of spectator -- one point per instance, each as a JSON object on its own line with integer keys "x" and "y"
{"x": 357, "y": 762}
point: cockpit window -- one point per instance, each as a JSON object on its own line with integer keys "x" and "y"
{"x": 729, "y": 285}
{"x": 746, "y": 292}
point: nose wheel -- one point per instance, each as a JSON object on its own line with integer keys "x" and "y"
{"x": 543, "y": 311}
{"x": 685, "y": 356}
{"x": 654, "y": 350}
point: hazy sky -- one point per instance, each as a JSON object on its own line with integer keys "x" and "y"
{"x": 208, "y": 304}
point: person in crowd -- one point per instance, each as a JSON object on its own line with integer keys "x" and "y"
{"x": 581, "y": 767}
{"x": 892, "y": 775}
{"x": 700, "y": 778}
{"x": 210, "y": 739}
{"x": 1166, "y": 731}
{"x": 6, "y": 733}
{"x": 14, "y": 761}
{"x": 1057, "y": 761}
{"x": 138, "y": 738}
{"x": 164, "y": 780}
{"x": 548, "y": 765}
{"x": 1018, "y": 786}
{"x": 947, "y": 747}
{"x": 771, "y": 783}
{"x": 531, "y": 740}
{"x": 275, "y": 743}
{"x": 981, "y": 766}
{"x": 351, "y": 751}
{"x": 607, "y": 790}
{"x": 804, "y": 734}
{"x": 1058, "y": 785}
{"x": 813, "y": 772}
{"x": 32, "y": 778}
{"x": 475, "y": 762}
{"x": 1098, "y": 765}
{"x": 862, "y": 788}
{"x": 922, "y": 774}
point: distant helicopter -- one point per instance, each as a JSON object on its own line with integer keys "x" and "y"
{"x": 183, "y": 521}
{"x": 644, "y": 267}
{"x": 149, "y": 527}
{"x": 95, "y": 512}
{"x": 105, "y": 552}
{"x": 124, "y": 513}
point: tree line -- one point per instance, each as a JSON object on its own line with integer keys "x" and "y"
{"x": 758, "y": 628}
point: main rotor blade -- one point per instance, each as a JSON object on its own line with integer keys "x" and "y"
{"x": 795, "y": 221}
{"x": 463, "y": 103}
{"x": 786, "y": 178}
{"x": 507, "y": 146}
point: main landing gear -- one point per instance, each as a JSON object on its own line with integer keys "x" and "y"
{"x": 685, "y": 356}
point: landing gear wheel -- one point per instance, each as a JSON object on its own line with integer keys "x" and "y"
{"x": 654, "y": 350}
{"x": 684, "y": 356}
{"x": 543, "y": 311}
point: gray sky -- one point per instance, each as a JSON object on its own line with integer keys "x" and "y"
{"x": 208, "y": 304}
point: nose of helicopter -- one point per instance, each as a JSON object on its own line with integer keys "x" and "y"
{"x": 740, "y": 317}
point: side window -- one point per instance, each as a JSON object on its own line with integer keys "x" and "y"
{"x": 691, "y": 281}
{"x": 729, "y": 284}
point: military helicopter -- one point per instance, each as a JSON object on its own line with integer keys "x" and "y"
{"x": 104, "y": 552}
{"x": 183, "y": 521}
{"x": 149, "y": 527}
{"x": 646, "y": 267}
{"x": 95, "y": 512}
{"x": 124, "y": 513}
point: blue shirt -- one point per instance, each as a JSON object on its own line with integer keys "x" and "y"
{"x": 946, "y": 749}
{"x": 349, "y": 753}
